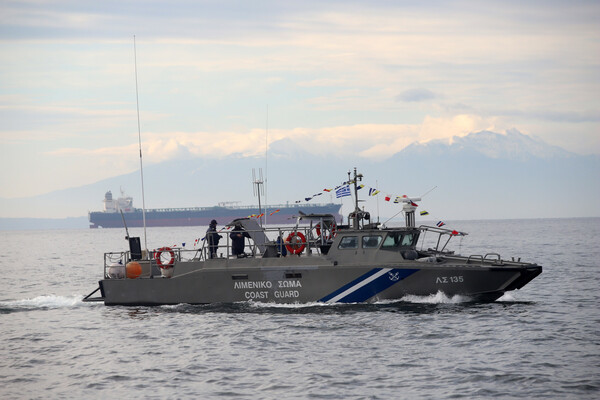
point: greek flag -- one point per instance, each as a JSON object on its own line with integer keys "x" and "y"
{"x": 342, "y": 192}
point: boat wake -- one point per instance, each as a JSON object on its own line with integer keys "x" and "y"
{"x": 41, "y": 302}
{"x": 259, "y": 305}
{"x": 507, "y": 297}
{"x": 438, "y": 298}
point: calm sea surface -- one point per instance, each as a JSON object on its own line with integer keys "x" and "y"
{"x": 540, "y": 342}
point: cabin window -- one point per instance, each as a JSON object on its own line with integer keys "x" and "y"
{"x": 398, "y": 239}
{"x": 392, "y": 239}
{"x": 371, "y": 242}
{"x": 348, "y": 242}
{"x": 407, "y": 239}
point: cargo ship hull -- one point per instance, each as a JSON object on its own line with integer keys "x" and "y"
{"x": 202, "y": 216}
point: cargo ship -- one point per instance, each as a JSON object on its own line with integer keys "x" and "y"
{"x": 111, "y": 216}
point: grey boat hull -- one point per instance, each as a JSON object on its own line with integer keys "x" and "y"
{"x": 315, "y": 280}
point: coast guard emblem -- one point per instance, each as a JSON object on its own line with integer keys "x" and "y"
{"x": 394, "y": 276}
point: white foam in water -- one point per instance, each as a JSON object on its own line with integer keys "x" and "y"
{"x": 287, "y": 305}
{"x": 507, "y": 297}
{"x": 438, "y": 298}
{"x": 50, "y": 301}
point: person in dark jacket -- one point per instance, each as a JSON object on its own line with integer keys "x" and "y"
{"x": 237, "y": 236}
{"x": 212, "y": 238}
{"x": 281, "y": 249}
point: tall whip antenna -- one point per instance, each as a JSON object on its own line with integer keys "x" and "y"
{"x": 266, "y": 161}
{"x": 137, "y": 100}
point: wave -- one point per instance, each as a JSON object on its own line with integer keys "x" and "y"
{"x": 42, "y": 302}
{"x": 508, "y": 297}
{"x": 438, "y": 298}
{"x": 257, "y": 304}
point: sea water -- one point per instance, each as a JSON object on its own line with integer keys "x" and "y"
{"x": 540, "y": 342}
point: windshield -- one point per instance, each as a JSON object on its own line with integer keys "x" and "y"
{"x": 399, "y": 239}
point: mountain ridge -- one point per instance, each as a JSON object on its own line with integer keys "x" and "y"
{"x": 477, "y": 176}
{"x": 511, "y": 145}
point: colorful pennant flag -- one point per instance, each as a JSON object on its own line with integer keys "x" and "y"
{"x": 440, "y": 224}
{"x": 424, "y": 213}
{"x": 276, "y": 211}
{"x": 344, "y": 190}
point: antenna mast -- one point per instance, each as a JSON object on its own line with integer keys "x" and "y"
{"x": 357, "y": 215}
{"x": 137, "y": 100}
{"x": 258, "y": 189}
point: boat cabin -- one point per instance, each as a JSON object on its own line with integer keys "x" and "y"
{"x": 321, "y": 236}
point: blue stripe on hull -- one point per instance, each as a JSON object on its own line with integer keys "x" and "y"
{"x": 368, "y": 285}
{"x": 349, "y": 285}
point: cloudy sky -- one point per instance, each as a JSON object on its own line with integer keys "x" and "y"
{"x": 362, "y": 78}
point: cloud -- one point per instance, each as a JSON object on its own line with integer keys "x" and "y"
{"x": 373, "y": 141}
{"x": 363, "y": 80}
{"x": 459, "y": 125}
{"x": 67, "y": 110}
{"x": 324, "y": 82}
{"x": 415, "y": 95}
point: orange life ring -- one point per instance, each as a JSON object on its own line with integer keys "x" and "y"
{"x": 331, "y": 234}
{"x": 295, "y": 242}
{"x": 158, "y": 254}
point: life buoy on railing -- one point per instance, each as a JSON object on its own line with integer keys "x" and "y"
{"x": 158, "y": 254}
{"x": 332, "y": 232}
{"x": 295, "y": 242}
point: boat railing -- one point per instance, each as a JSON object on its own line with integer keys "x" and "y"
{"x": 475, "y": 257}
{"x": 443, "y": 237}
{"x": 492, "y": 259}
{"x": 264, "y": 242}
{"x": 115, "y": 264}
{"x": 277, "y": 242}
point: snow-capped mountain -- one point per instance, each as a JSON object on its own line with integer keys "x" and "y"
{"x": 479, "y": 176}
{"x": 512, "y": 145}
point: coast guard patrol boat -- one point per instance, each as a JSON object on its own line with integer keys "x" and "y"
{"x": 317, "y": 261}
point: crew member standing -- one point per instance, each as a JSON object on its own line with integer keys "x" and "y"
{"x": 212, "y": 238}
{"x": 237, "y": 236}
